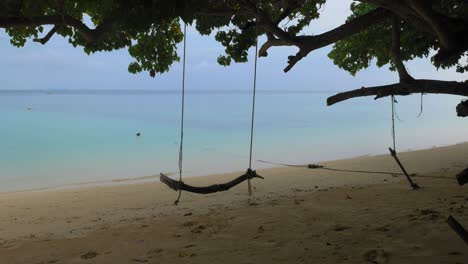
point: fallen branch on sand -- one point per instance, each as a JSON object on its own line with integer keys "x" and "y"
{"x": 176, "y": 185}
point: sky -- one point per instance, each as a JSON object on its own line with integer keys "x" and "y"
{"x": 57, "y": 65}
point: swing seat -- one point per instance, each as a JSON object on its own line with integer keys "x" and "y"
{"x": 458, "y": 228}
{"x": 413, "y": 185}
{"x": 462, "y": 177}
{"x": 179, "y": 185}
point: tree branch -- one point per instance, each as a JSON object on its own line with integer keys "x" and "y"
{"x": 91, "y": 35}
{"x": 396, "y": 51}
{"x": 450, "y": 31}
{"x": 47, "y": 37}
{"x": 308, "y": 44}
{"x": 417, "y": 86}
{"x": 271, "y": 42}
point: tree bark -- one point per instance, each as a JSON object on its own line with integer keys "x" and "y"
{"x": 418, "y": 86}
{"x": 91, "y": 35}
{"x": 396, "y": 52}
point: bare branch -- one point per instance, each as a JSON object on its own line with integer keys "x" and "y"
{"x": 308, "y": 44}
{"x": 47, "y": 37}
{"x": 417, "y": 86}
{"x": 272, "y": 41}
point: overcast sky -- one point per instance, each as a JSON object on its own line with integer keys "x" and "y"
{"x": 58, "y": 65}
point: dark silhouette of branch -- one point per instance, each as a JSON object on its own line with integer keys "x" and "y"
{"x": 91, "y": 35}
{"x": 417, "y": 86}
{"x": 45, "y": 39}
{"x": 396, "y": 52}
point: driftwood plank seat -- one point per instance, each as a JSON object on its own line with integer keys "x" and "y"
{"x": 176, "y": 185}
{"x": 462, "y": 177}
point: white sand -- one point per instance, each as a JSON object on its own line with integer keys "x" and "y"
{"x": 298, "y": 215}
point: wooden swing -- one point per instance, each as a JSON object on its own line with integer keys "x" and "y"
{"x": 393, "y": 151}
{"x": 247, "y": 176}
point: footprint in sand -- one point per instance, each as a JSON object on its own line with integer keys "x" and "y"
{"x": 199, "y": 229}
{"x": 384, "y": 228}
{"x": 431, "y": 214}
{"x": 151, "y": 253}
{"x": 339, "y": 228}
{"x": 260, "y": 229}
{"x": 298, "y": 201}
{"x": 376, "y": 256}
{"x": 189, "y": 223}
{"x": 89, "y": 255}
{"x": 140, "y": 260}
{"x": 186, "y": 254}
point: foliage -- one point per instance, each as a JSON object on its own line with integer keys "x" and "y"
{"x": 151, "y": 30}
{"x": 358, "y": 51}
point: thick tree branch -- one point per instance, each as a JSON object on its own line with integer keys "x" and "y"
{"x": 450, "y": 31}
{"x": 91, "y": 35}
{"x": 47, "y": 37}
{"x": 424, "y": 10}
{"x": 272, "y": 41}
{"x": 396, "y": 52}
{"x": 308, "y": 44}
{"x": 417, "y": 86}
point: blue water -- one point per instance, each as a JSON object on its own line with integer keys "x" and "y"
{"x": 74, "y": 137}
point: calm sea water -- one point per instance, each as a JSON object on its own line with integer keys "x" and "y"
{"x": 83, "y": 136}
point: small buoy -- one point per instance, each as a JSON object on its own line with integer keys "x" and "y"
{"x": 138, "y": 134}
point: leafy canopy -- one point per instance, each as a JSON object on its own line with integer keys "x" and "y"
{"x": 151, "y": 30}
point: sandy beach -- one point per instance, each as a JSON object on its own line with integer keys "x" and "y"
{"x": 297, "y": 215}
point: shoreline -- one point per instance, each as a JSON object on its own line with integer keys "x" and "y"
{"x": 296, "y": 214}
{"x": 150, "y": 178}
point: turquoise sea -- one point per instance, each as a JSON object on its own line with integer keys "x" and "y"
{"x": 56, "y": 138}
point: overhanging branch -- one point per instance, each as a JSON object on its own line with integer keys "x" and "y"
{"x": 396, "y": 51}
{"x": 91, "y": 35}
{"x": 307, "y": 44}
{"x": 418, "y": 86}
{"x": 47, "y": 37}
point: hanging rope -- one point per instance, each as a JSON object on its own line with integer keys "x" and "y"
{"x": 422, "y": 105}
{"x": 253, "y": 101}
{"x": 323, "y": 167}
{"x": 393, "y": 122}
{"x": 393, "y": 151}
{"x": 181, "y": 147}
